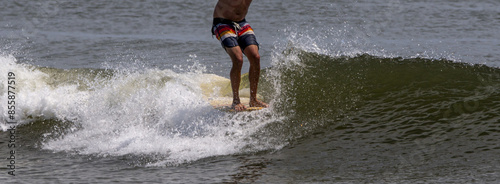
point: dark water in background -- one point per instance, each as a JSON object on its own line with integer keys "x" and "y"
{"x": 361, "y": 92}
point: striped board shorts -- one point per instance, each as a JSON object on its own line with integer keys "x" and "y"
{"x": 232, "y": 34}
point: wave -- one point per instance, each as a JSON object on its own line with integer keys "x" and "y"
{"x": 166, "y": 116}
{"x": 105, "y": 112}
{"x": 374, "y": 94}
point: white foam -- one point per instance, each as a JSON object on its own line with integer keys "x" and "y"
{"x": 34, "y": 96}
{"x": 145, "y": 112}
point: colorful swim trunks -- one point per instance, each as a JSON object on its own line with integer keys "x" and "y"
{"x": 232, "y": 34}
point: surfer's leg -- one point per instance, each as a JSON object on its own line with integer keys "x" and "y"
{"x": 252, "y": 53}
{"x": 253, "y": 56}
{"x": 248, "y": 43}
{"x": 235, "y": 75}
{"x": 226, "y": 34}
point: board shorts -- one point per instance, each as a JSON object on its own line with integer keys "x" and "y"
{"x": 232, "y": 34}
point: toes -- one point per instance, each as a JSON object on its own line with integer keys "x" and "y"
{"x": 239, "y": 107}
{"x": 259, "y": 104}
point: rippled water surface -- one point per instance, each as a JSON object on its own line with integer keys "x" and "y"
{"x": 361, "y": 92}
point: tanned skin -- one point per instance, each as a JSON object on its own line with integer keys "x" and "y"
{"x": 236, "y": 10}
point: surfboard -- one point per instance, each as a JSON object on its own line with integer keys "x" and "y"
{"x": 217, "y": 91}
{"x": 225, "y": 103}
{"x": 229, "y": 109}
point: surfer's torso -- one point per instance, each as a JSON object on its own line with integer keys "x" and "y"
{"x": 234, "y": 10}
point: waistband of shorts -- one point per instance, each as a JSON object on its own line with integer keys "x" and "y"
{"x": 225, "y": 21}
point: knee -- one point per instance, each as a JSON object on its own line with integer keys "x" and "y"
{"x": 254, "y": 58}
{"x": 238, "y": 61}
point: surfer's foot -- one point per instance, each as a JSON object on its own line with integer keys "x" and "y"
{"x": 238, "y": 107}
{"x": 257, "y": 103}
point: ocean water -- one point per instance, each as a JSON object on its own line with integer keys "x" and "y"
{"x": 378, "y": 91}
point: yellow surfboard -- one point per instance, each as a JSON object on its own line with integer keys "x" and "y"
{"x": 217, "y": 91}
{"x": 229, "y": 109}
{"x": 225, "y": 103}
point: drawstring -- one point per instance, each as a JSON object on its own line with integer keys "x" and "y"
{"x": 218, "y": 21}
{"x": 237, "y": 27}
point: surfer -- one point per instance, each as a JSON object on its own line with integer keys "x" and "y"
{"x": 238, "y": 38}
